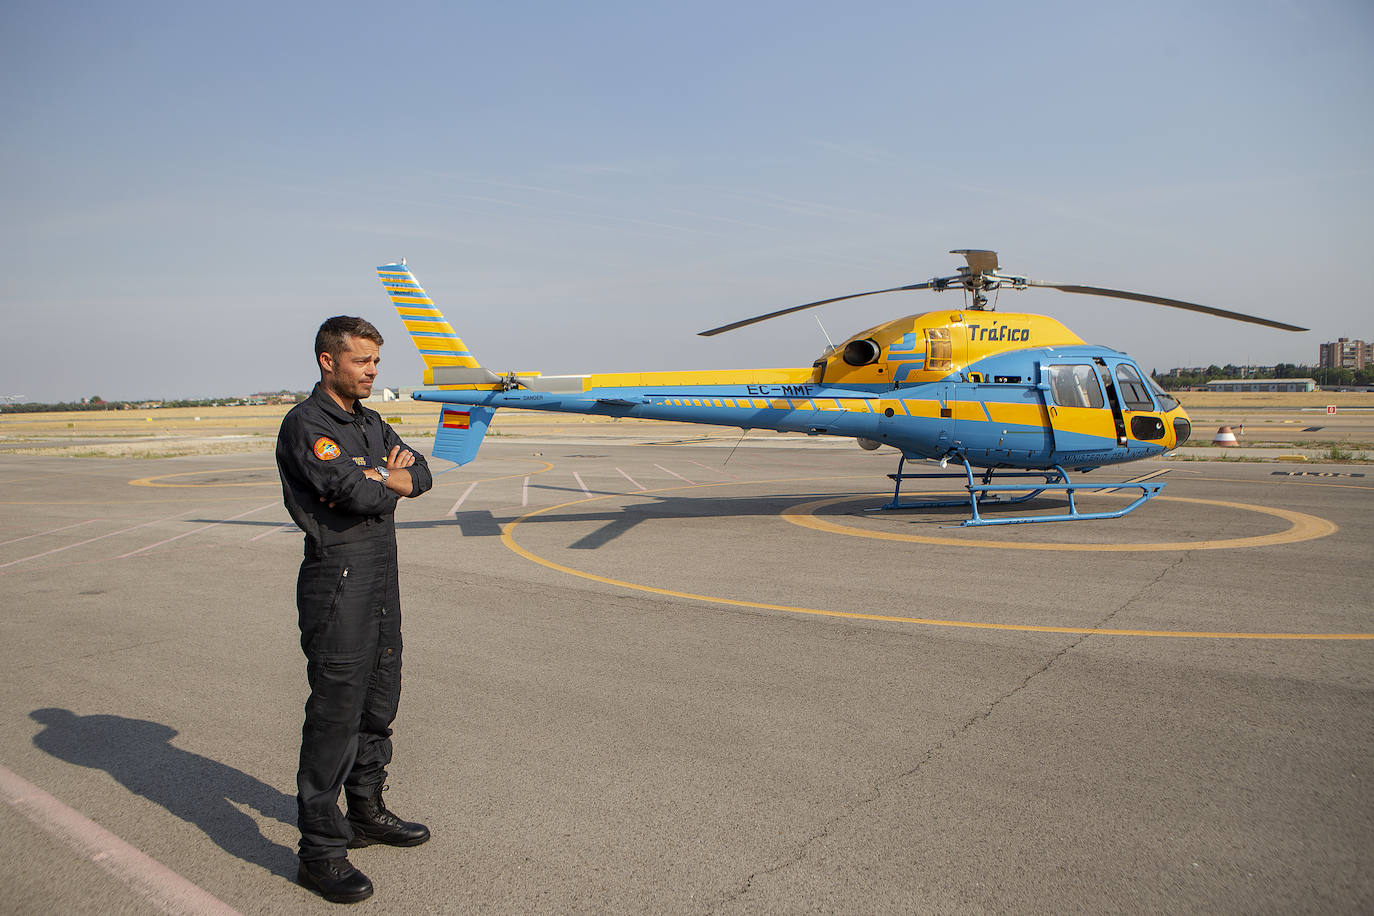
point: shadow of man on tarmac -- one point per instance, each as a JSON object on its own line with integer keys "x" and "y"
{"x": 140, "y": 756}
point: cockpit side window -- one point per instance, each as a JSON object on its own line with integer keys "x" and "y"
{"x": 1075, "y": 386}
{"x": 1134, "y": 394}
{"x": 939, "y": 350}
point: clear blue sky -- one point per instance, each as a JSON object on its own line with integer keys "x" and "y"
{"x": 189, "y": 189}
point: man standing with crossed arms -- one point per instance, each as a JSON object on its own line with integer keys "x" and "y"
{"x": 343, "y": 469}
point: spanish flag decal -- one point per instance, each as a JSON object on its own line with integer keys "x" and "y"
{"x": 454, "y": 419}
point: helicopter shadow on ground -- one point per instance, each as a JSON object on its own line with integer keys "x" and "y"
{"x": 623, "y": 519}
{"x": 140, "y": 756}
{"x": 619, "y": 520}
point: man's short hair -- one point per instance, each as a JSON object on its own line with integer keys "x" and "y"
{"x": 330, "y": 338}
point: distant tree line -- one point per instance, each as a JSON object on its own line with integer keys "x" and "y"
{"x": 1327, "y": 377}
{"x": 96, "y": 402}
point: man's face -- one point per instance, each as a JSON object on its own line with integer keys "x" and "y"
{"x": 351, "y": 374}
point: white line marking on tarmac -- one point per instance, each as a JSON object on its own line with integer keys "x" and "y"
{"x": 578, "y": 478}
{"x": 630, "y": 479}
{"x": 675, "y": 474}
{"x": 525, "y": 493}
{"x": 41, "y": 533}
{"x": 1141, "y": 479}
{"x": 466, "y": 493}
{"x": 98, "y": 537}
{"x": 150, "y": 879}
{"x": 287, "y": 527}
{"x": 186, "y": 534}
{"x": 713, "y": 470}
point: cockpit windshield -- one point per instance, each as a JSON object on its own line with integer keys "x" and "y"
{"x": 1166, "y": 403}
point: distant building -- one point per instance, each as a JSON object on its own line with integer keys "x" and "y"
{"x": 1345, "y": 354}
{"x": 1262, "y": 384}
{"x": 384, "y": 394}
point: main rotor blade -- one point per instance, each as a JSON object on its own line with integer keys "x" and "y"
{"x": 1160, "y": 300}
{"x": 797, "y": 308}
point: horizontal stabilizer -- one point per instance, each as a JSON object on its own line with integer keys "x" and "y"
{"x": 460, "y": 433}
{"x": 462, "y": 375}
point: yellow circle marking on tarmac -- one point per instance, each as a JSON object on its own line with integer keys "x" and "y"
{"x": 1301, "y": 527}
{"x": 547, "y": 466}
{"x": 157, "y": 481}
{"x": 508, "y": 539}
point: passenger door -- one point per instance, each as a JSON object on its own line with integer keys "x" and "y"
{"x": 1077, "y": 407}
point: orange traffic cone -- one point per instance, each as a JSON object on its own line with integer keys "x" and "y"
{"x": 1225, "y": 438}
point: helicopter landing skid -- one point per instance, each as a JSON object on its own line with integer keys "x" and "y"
{"x": 987, "y": 492}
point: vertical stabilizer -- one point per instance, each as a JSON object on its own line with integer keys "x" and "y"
{"x": 429, "y": 329}
{"x": 460, "y": 432}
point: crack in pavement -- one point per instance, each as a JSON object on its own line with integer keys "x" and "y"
{"x": 876, "y": 790}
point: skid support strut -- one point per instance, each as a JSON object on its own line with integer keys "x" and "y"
{"x": 986, "y": 492}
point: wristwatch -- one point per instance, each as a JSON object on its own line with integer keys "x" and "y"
{"x": 383, "y": 473}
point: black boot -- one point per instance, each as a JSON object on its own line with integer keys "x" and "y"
{"x": 373, "y": 823}
{"x": 335, "y": 879}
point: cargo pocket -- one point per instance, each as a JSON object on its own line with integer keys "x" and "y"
{"x": 319, "y": 597}
{"x": 384, "y": 692}
{"x": 338, "y": 688}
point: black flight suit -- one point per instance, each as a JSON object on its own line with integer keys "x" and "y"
{"x": 349, "y": 606}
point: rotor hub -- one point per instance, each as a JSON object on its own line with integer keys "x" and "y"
{"x": 978, "y": 277}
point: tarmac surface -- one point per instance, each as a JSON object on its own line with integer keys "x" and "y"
{"x": 643, "y": 679}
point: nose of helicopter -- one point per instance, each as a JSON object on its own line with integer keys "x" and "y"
{"x": 1183, "y": 428}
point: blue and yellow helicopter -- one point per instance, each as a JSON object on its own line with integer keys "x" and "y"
{"x": 1012, "y": 395}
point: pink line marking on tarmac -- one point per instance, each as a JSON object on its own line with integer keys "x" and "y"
{"x": 630, "y": 479}
{"x": 150, "y": 879}
{"x": 186, "y": 534}
{"x": 466, "y": 493}
{"x": 98, "y": 537}
{"x": 41, "y": 533}
{"x": 678, "y": 476}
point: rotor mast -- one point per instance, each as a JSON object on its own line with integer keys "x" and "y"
{"x": 978, "y": 277}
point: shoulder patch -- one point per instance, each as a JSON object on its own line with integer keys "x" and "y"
{"x": 326, "y": 448}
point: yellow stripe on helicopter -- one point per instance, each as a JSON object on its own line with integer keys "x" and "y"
{"x": 796, "y": 376}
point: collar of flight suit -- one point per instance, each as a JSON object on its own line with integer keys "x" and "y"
{"x": 331, "y": 406}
